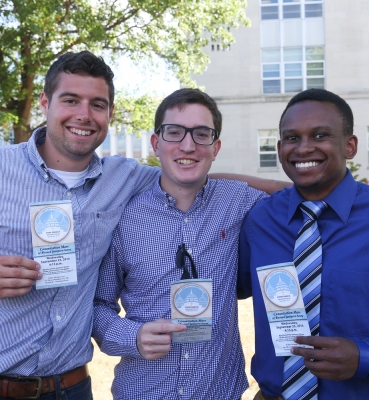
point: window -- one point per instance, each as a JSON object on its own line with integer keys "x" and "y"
{"x": 270, "y": 9}
{"x": 292, "y": 59}
{"x": 268, "y": 148}
{"x": 271, "y": 71}
{"x": 292, "y": 69}
{"x": 313, "y": 8}
{"x": 291, "y": 10}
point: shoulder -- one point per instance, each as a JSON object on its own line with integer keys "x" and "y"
{"x": 362, "y": 196}
{"x": 277, "y": 201}
{"x": 15, "y": 151}
{"x": 124, "y": 165}
{"x": 362, "y": 187}
{"x": 233, "y": 187}
{"x": 118, "y": 161}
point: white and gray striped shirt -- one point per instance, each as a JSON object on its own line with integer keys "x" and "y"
{"x": 47, "y": 332}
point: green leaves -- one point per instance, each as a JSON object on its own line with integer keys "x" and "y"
{"x": 135, "y": 112}
{"x": 34, "y": 32}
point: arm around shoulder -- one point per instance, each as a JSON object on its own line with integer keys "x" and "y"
{"x": 267, "y": 185}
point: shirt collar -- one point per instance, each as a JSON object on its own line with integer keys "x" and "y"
{"x": 168, "y": 199}
{"x": 340, "y": 199}
{"x": 38, "y": 138}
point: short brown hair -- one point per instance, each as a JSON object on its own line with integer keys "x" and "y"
{"x": 83, "y": 63}
{"x": 180, "y": 98}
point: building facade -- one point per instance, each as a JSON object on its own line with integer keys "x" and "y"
{"x": 291, "y": 45}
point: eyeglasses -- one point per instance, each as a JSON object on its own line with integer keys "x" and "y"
{"x": 201, "y": 135}
{"x": 181, "y": 255}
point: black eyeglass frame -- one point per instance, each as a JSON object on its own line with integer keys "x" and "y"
{"x": 213, "y": 131}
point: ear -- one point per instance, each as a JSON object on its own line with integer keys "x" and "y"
{"x": 351, "y": 147}
{"x": 217, "y": 145}
{"x": 279, "y": 150}
{"x": 111, "y": 112}
{"x": 44, "y": 103}
{"x": 154, "y": 140}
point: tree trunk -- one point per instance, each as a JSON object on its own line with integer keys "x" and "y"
{"x": 21, "y": 133}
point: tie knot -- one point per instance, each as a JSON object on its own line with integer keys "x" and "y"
{"x": 313, "y": 209}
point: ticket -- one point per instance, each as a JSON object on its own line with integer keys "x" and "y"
{"x": 53, "y": 243}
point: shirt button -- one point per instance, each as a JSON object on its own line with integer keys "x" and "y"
{"x": 186, "y": 356}
{"x": 186, "y": 220}
{"x": 170, "y": 198}
{"x": 46, "y": 176}
{"x": 180, "y": 391}
{"x": 189, "y": 251}
{"x": 69, "y": 194}
{"x": 58, "y": 318}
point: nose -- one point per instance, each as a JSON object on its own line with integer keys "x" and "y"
{"x": 187, "y": 145}
{"x": 305, "y": 146}
{"x": 83, "y": 112}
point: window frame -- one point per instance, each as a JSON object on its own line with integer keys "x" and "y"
{"x": 304, "y": 78}
{"x": 268, "y": 152}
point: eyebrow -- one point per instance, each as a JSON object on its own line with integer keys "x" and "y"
{"x": 71, "y": 94}
{"x": 319, "y": 127}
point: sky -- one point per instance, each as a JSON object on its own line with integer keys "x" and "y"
{"x": 143, "y": 78}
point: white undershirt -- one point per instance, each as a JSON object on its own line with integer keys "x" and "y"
{"x": 69, "y": 178}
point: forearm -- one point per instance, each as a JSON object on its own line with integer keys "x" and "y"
{"x": 115, "y": 336}
{"x": 267, "y": 185}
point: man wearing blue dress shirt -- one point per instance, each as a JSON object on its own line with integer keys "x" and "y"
{"x": 316, "y": 139}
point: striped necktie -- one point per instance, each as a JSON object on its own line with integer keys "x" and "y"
{"x": 298, "y": 382}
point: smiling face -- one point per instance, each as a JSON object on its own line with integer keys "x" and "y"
{"x": 313, "y": 148}
{"x": 185, "y": 164}
{"x": 78, "y": 116}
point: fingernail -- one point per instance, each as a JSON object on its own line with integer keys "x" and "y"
{"x": 39, "y": 275}
{"x": 38, "y": 267}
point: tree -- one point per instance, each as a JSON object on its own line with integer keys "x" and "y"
{"x": 353, "y": 169}
{"x": 34, "y": 32}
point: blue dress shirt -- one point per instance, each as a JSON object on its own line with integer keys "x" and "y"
{"x": 268, "y": 236}
{"x": 48, "y": 331}
{"x": 139, "y": 268}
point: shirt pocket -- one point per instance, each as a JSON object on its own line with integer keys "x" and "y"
{"x": 104, "y": 225}
{"x": 346, "y": 303}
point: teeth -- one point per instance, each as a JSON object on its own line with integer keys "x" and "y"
{"x": 307, "y": 164}
{"x": 185, "y": 161}
{"x": 80, "y": 132}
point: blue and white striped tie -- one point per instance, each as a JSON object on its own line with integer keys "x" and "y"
{"x": 298, "y": 382}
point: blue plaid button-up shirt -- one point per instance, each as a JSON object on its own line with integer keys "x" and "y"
{"x": 47, "y": 331}
{"x": 139, "y": 268}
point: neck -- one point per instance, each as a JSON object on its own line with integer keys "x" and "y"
{"x": 61, "y": 162}
{"x": 185, "y": 196}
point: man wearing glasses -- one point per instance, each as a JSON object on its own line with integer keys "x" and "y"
{"x": 185, "y": 215}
